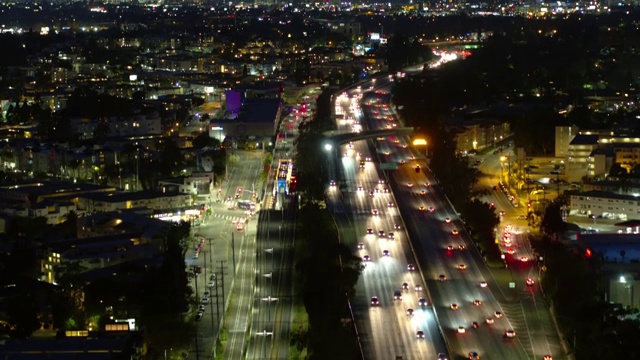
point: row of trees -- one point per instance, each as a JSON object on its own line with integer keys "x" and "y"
{"x": 329, "y": 272}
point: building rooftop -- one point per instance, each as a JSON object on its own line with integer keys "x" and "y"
{"x": 582, "y": 139}
{"x": 612, "y": 246}
{"x": 604, "y": 194}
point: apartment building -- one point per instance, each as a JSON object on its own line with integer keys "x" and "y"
{"x": 604, "y": 204}
{"x": 154, "y": 200}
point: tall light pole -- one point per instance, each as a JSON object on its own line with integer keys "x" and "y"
{"x": 269, "y": 300}
{"x": 264, "y": 333}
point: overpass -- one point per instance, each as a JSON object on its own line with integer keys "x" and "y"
{"x": 336, "y": 138}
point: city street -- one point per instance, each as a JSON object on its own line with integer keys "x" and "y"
{"x": 224, "y": 243}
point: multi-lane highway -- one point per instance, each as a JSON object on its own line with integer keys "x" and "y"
{"x": 391, "y": 320}
{"x": 472, "y": 308}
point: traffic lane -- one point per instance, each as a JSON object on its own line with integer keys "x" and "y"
{"x": 389, "y": 272}
{"x": 382, "y": 264}
{"x": 462, "y": 291}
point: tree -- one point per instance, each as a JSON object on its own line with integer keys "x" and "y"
{"x": 23, "y": 314}
{"x": 552, "y": 223}
{"x": 617, "y": 170}
{"x": 170, "y": 158}
{"x": 102, "y": 131}
{"x": 70, "y": 224}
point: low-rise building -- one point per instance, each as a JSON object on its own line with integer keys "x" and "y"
{"x": 618, "y": 258}
{"x": 197, "y": 183}
{"x": 115, "y": 201}
{"x": 475, "y": 134}
{"x": 604, "y": 204}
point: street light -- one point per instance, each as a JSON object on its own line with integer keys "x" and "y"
{"x": 328, "y": 147}
{"x": 264, "y": 333}
{"x": 269, "y": 300}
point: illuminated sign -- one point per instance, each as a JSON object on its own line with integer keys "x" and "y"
{"x": 374, "y": 36}
{"x": 419, "y": 142}
{"x": 219, "y": 128}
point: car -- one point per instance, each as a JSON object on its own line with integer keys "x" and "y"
{"x": 211, "y": 283}
{"x": 386, "y": 253}
{"x": 422, "y": 192}
{"x": 442, "y": 356}
{"x": 462, "y": 267}
{"x": 360, "y": 246}
{"x": 522, "y": 217}
{"x": 450, "y": 248}
{"x": 490, "y": 321}
{"x": 385, "y": 190}
{"x": 442, "y": 278}
{"x": 202, "y": 308}
{"x": 381, "y": 233}
{"x": 461, "y": 247}
{"x": 461, "y": 330}
{"x": 454, "y": 232}
{"x": 199, "y": 316}
{"x": 474, "y": 355}
{"x": 454, "y": 306}
{"x": 401, "y": 162}
{"x": 422, "y": 302}
{"x": 413, "y": 158}
{"x": 367, "y": 158}
{"x": 483, "y": 284}
{"x": 530, "y": 282}
{"x": 391, "y": 204}
{"x": 375, "y": 212}
{"x": 411, "y": 267}
{"x": 498, "y": 314}
{"x": 397, "y": 295}
{"x": 396, "y": 227}
{"x": 369, "y": 231}
{"x": 421, "y": 208}
{"x": 204, "y": 301}
{"x": 409, "y": 312}
{"x": 410, "y": 185}
{"x": 366, "y": 258}
{"x": 371, "y": 193}
{"x": 477, "y": 302}
{"x": 405, "y": 286}
{"x": 510, "y": 333}
{"x": 380, "y": 181}
{"x": 206, "y": 294}
{"x": 360, "y": 189}
{"x": 332, "y": 183}
{"x": 418, "y": 287}
{"x": 547, "y": 357}
{"x": 475, "y": 325}
{"x": 431, "y": 209}
{"x": 237, "y": 196}
{"x": 447, "y": 220}
{"x": 420, "y": 334}
{"x": 391, "y": 236}
{"x": 375, "y": 301}
{"x": 524, "y": 259}
{"x": 510, "y": 251}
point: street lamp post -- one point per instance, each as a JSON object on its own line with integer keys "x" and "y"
{"x": 269, "y": 300}
{"x": 265, "y": 333}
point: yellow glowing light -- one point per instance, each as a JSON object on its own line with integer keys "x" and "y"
{"x": 419, "y": 142}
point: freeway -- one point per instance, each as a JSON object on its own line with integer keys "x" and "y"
{"x": 459, "y": 298}
{"x": 459, "y": 295}
{"x": 364, "y": 207}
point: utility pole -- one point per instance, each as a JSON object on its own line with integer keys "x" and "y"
{"x": 217, "y": 302}
{"x": 222, "y": 280}
{"x": 196, "y": 332}
{"x": 233, "y": 251}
